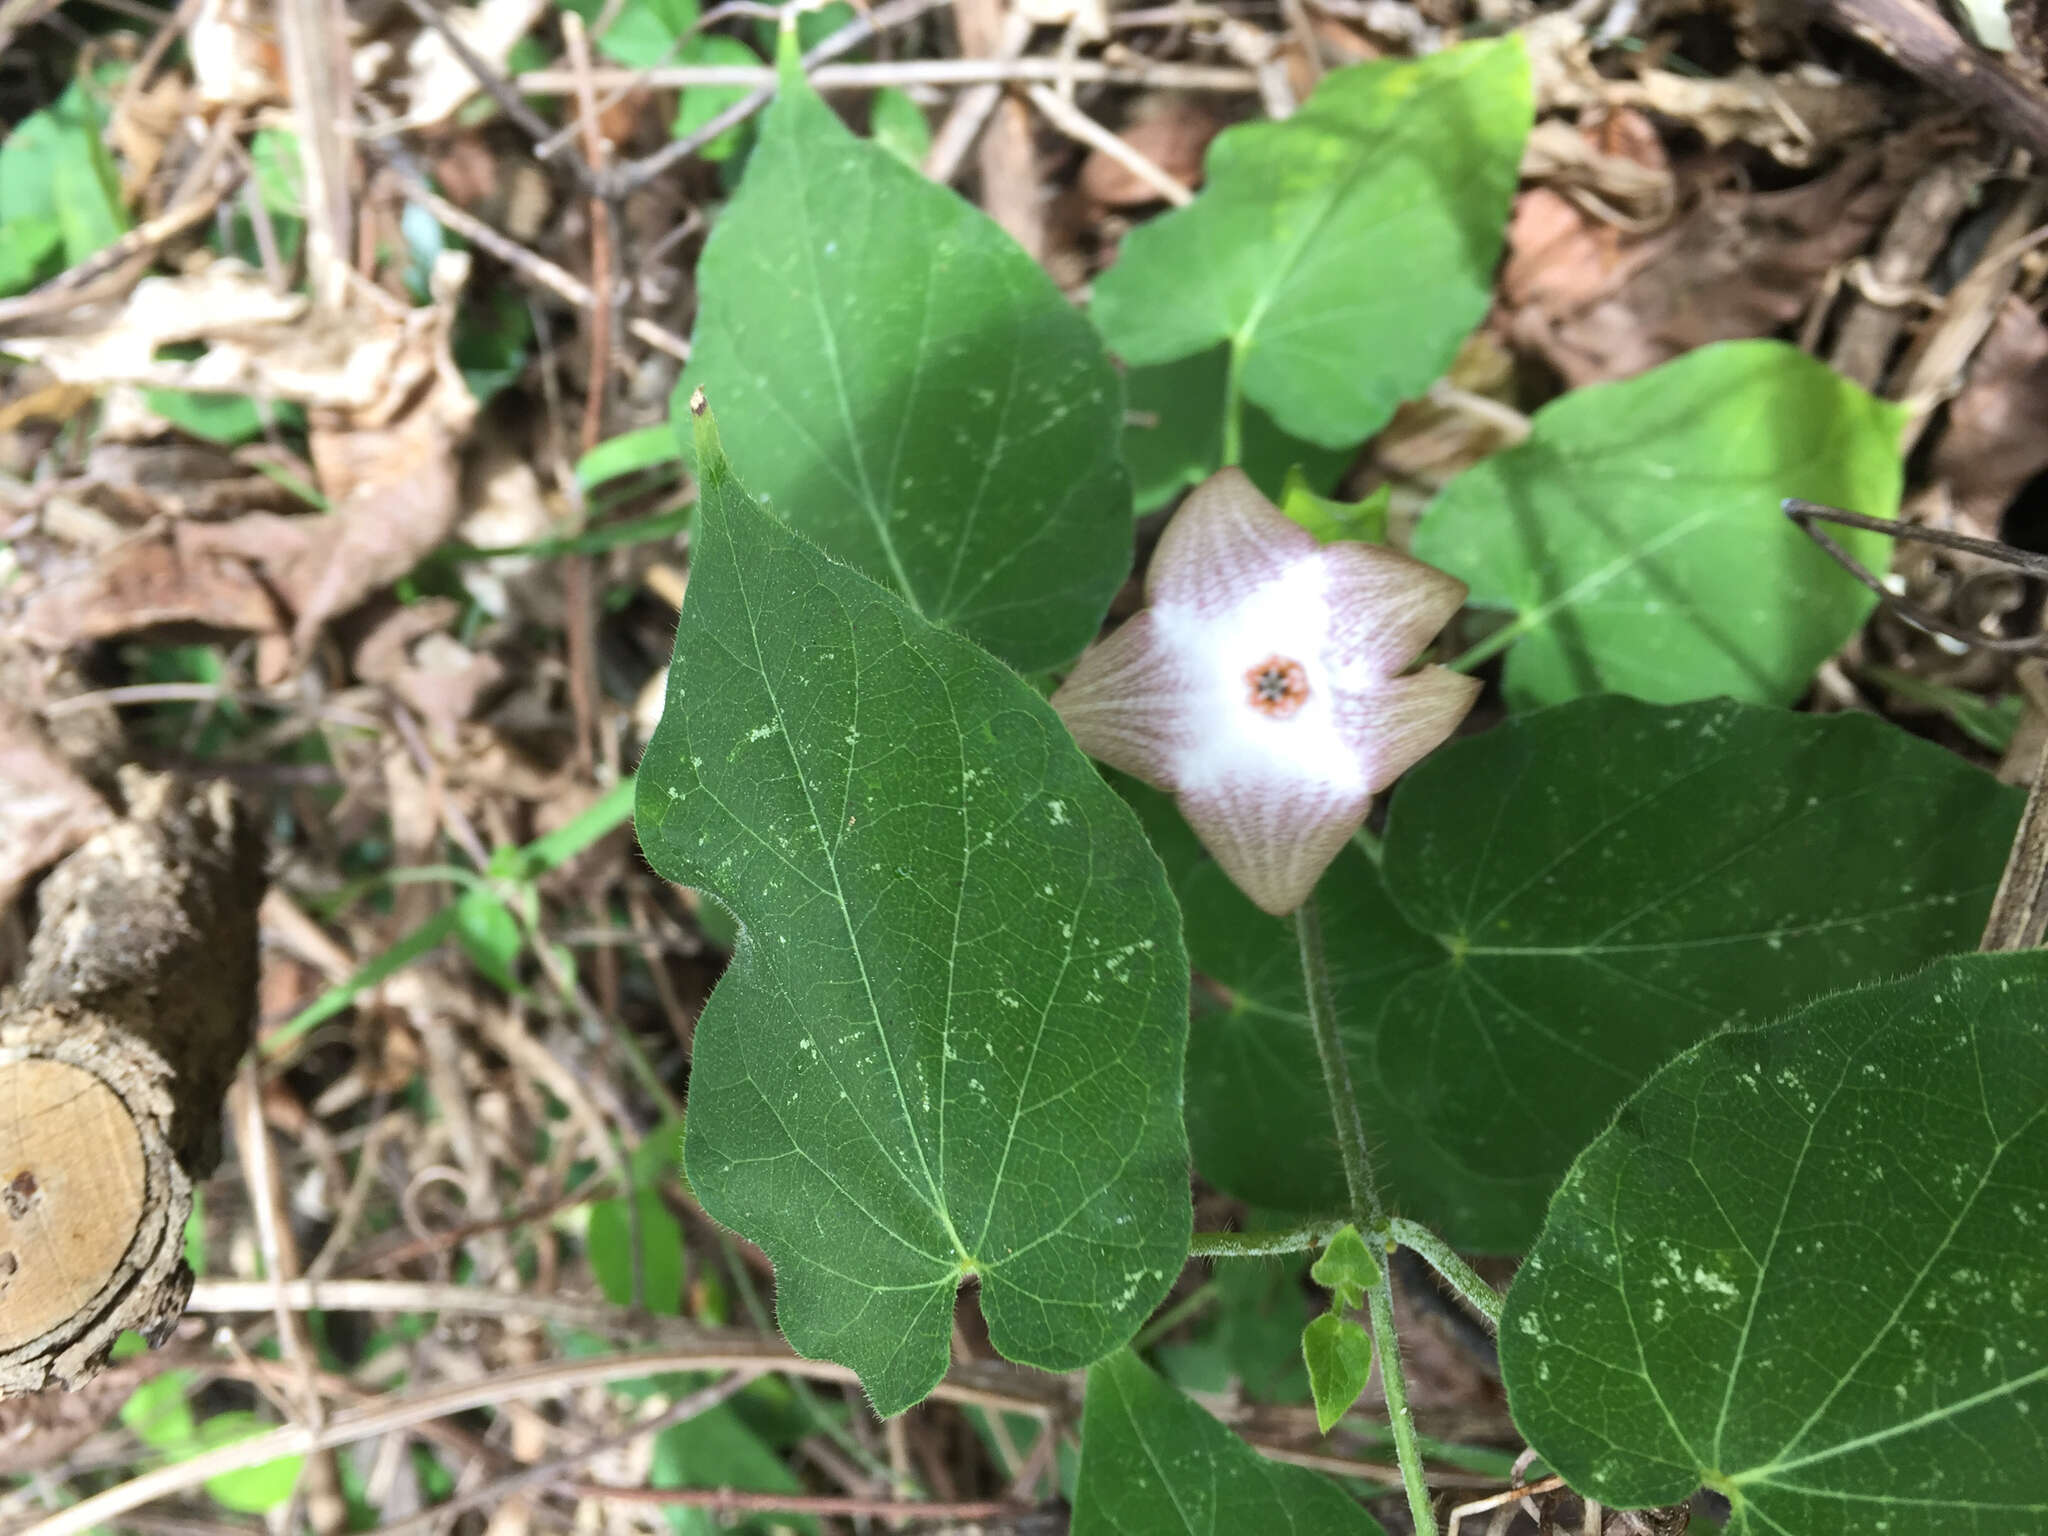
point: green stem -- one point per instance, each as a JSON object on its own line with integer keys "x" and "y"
{"x": 1407, "y": 1448}
{"x": 1197, "y": 1301}
{"x": 1485, "y": 650}
{"x": 1322, "y": 1014}
{"x": 1460, "y": 1276}
{"x": 1233, "y": 412}
{"x": 1263, "y": 1245}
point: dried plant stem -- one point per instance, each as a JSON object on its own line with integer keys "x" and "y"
{"x": 537, "y": 270}
{"x": 1456, "y": 1273}
{"x": 1379, "y": 1300}
{"x": 906, "y": 72}
{"x": 1078, "y": 125}
{"x": 1322, "y": 1013}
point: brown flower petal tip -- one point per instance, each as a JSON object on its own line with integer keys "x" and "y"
{"x": 1263, "y": 684}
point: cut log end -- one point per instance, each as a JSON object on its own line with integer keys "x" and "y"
{"x": 71, "y": 1194}
{"x": 136, "y": 1001}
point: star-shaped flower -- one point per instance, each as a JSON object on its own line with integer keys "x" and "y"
{"x": 1263, "y": 685}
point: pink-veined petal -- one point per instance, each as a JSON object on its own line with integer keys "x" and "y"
{"x": 1397, "y": 723}
{"x": 1274, "y": 839}
{"x": 1386, "y": 606}
{"x": 1130, "y": 702}
{"x": 1225, "y": 540}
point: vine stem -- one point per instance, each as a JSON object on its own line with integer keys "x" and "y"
{"x": 1263, "y": 1245}
{"x": 1460, "y": 1276}
{"x": 1322, "y": 1014}
{"x": 1233, "y": 411}
{"x": 1407, "y": 1450}
{"x": 1365, "y": 1206}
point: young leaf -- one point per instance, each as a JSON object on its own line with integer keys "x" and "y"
{"x": 1637, "y": 534}
{"x": 1565, "y": 902}
{"x": 1343, "y": 253}
{"x": 1330, "y": 520}
{"x": 1155, "y": 1464}
{"x": 1346, "y": 1269}
{"x": 1339, "y": 1356}
{"x": 950, "y": 1041}
{"x": 908, "y": 388}
{"x": 1808, "y": 1266}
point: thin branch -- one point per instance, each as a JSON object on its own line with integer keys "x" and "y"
{"x": 497, "y": 1491}
{"x": 536, "y": 269}
{"x": 982, "y": 1383}
{"x": 1076, "y": 124}
{"x": 1221, "y": 79}
{"x": 864, "y": 26}
{"x": 733, "y": 1500}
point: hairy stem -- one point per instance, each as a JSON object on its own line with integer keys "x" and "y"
{"x": 1263, "y": 1245}
{"x": 1322, "y": 1013}
{"x": 1460, "y": 1276}
{"x": 1407, "y": 1449}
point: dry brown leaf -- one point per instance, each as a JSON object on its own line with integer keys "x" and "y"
{"x": 1430, "y": 443}
{"x": 1600, "y": 304}
{"x": 156, "y": 579}
{"x": 387, "y": 413}
{"x": 46, "y": 809}
{"x": 436, "y": 81}
{"x": 1796, "y": 117}
{"x": 1170, "y": 129}
{"x": 1995, "y": 442}
{"x": 443, "y": 680}
{"x": 234, "y": 53}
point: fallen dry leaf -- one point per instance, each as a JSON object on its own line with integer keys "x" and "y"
{"x": 410, "y": 652}
{"x": 1994, "y": 442}
{"x": 156, "y": 579}
{"x": 234, "y": 53}
{"x": 387, "y": 413}
{"x": 46, "y": 809}
{"x": 1169, "y": 128}
{"x": 1597, "y": 303}
{"x": 1797, "y": 117}
{"x": 436, "y": 81}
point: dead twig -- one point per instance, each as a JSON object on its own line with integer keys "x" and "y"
{"x": 1219, "y": 78}
{"x": 732, "y": 1500}
{"x": 1076, "y": 124}
{"x": 537, "y": 270}
{"x": 1918, "y": 39}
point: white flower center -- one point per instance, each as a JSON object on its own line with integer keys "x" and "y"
{"x": 1266, "y": 686}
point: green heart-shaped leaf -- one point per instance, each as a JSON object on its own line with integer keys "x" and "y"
{"x": 1339, "y": 1356}
{"x": 950, "y": 1041}
{"x": 1567, "y": 901}
{"x": 1344, "y": 253}
{"x": 904, "y": 385}
{"x": 1808, "y": 1266}
{"x": 1637, "y": 534}
{"x": 1155, "y": 1464}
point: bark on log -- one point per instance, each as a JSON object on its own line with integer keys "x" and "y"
{"x": 135, "y": 1004}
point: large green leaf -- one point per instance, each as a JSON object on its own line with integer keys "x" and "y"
{"x": 1155, "y": 1464}
{"x": 950, "y": 1042}
{"x": 1344, "y": 253}
{"x": 1808, "y": 1266}
{"x": 1566, "y": 902}
{"x": 1637, "y": 534}
{"x": 907, "y": 387}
